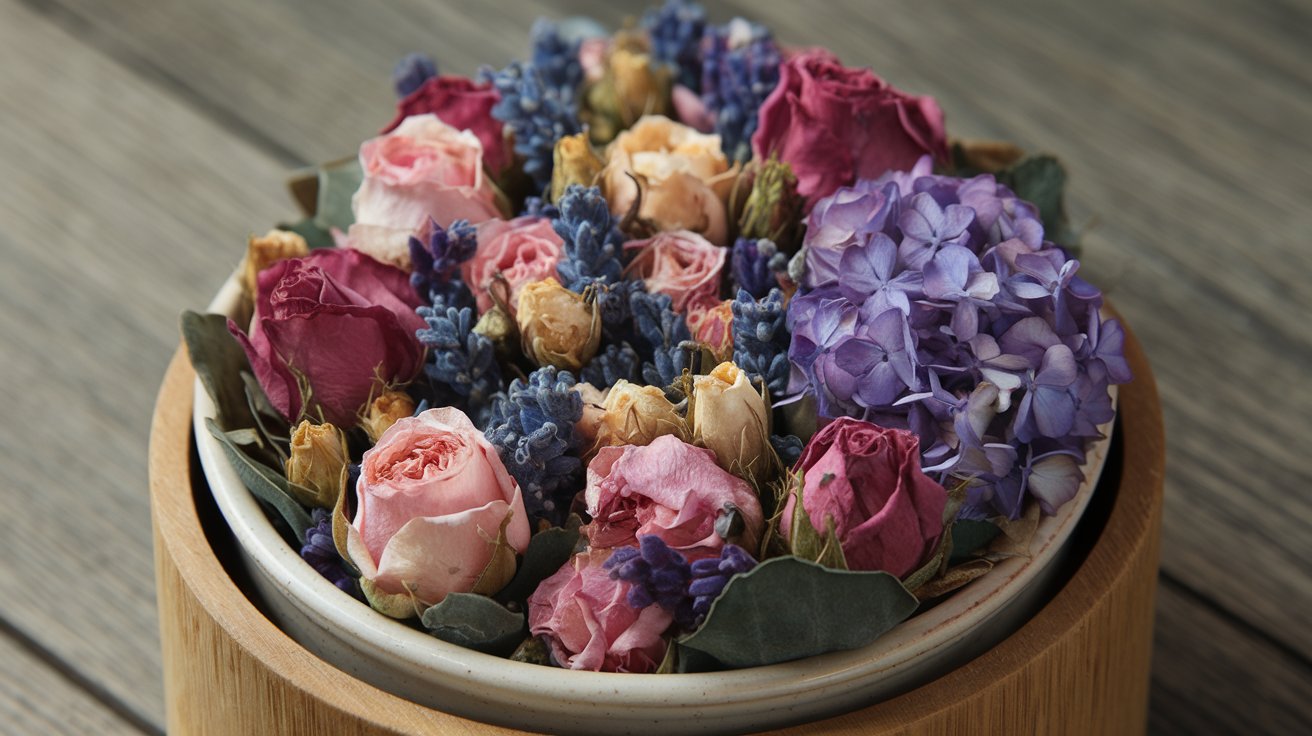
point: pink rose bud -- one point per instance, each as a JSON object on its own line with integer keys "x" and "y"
{"x": 834, "y": 124}
{"x": 671, "y": 489}
{"x": 334, "y": 302}
{"x": 684, "y": 177}
{"x": 424, "y": 168}
{"x": 463, "y": 104}
{"x": 588, "y": 624}
{"x": 431, "y": 501}
{"x": 521, "y": 251}
{"x": 888, "y": 515}
{"x": 680, "y": 264}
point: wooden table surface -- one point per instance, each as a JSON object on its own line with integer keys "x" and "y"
{"x": 141, "y": 142}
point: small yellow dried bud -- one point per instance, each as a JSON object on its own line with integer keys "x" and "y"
{"x": 636, "y": 415}
{"x": 574, "y": 162}
{"x": 640, "y": 88}
{"x": 589, "y": 424}
{"x": 317, "y": 466}
{"x": 556, "y": 326}
{"x": 276, "y": 245}
{"x": 730, "y": 417}
{"x": 384, "y": 411}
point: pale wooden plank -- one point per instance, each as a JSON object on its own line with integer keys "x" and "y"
{"x": 38, "y": 700}
{"x": 120, "y": 207}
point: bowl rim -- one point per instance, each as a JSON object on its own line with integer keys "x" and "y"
{"x": 944, "y": 624}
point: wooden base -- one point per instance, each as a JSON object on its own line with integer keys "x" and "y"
{"x": 1080, "y": 666}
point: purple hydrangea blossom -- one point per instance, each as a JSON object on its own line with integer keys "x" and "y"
{"x": 934, "y": 304}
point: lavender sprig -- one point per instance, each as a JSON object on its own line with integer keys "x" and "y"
{"x": 592, "y": 253}
{"x": 657, "y": 574}
{"x": 539, "y": 207}
{"x": 536, "y": 113}
{"x": 675, "y": 30}
{"x": 616, "y": 363}
{"x": 460, "y": 360}
{"x": 532, "y": 427}
{"x": 740, "y": 68}
{"x": 321, "y": 552}
{"x": 754, "y": 263}
{"x": 411, "y": 72}
{"x": 760, "y": 339}
{"x": 556, "y": 59}
{"x": 788, "y": 447}
{"x": 709, "y": 576}
{"x": 436, "y": 264}
{"x": 661, "y": 333}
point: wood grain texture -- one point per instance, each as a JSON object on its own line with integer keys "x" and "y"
{"x": 142, "y": 141}
{"x": 116, "y": 201}
{"x": 36, "y": 699}
{"x": 1080, "y": 666}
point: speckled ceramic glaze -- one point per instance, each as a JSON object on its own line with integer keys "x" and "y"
{"x": 413, "y": 665}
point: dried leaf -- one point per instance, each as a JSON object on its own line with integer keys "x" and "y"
{"x": 218, "y": 360}
{"x": 475, "y": 622}
{"x": 954, "y": 578}
{"x": 264, "y": 482}
{"x": 547, "y": 551}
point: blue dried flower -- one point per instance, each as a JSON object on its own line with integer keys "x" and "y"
{"x": 675, "y": 30}
{"x": 411, "y": 72}
{"x": 592, "y": 252}
{"x": 709, "y": 576}
{"x": 436, "y": 264}
{"x": 532, "y": 427}
{"x": 660, "y": 335}
{"x": 754, "y": 265}
{"x": 539, "y": 207}
{"x": 657, "y": 574}
{"x": 761, "y": 338}
{"x": 740, "y": 68}
{"x": 537, "y": 115}
{"x": 321, "y": 552}
{"x": 616, "y": 363}
{"x": 460, "y": 361}
{"x": 556, "y": 59}
{"x": 788, "y": 447}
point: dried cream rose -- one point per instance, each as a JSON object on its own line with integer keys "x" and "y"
{"x": 384, "y": 411}
{"x": 685, "y": 178}
{"x": 574, "y": 162}
{"x": 276, "y": 245}
{"x": 730, "y": 417}
{"x": 556, "y": 326}
{"x": 636, "y": 415}
{"x": 317, "y": 464}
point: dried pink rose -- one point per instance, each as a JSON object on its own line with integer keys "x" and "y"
{"x": 522, "y": 250}
{"x": 463, "y": 104}
{"x": 887, "y": 513}
{"x": 431, "y": 500}
{"x": 835, "y": 124}
{"x": 589, "y": 625}
{"x": 423, "y": 169}
{"x": 671, "y": 489}
{"x": 337, "y": 321}
{"x": 680, "y": 264}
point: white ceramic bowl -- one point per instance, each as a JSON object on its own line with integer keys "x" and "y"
{"x": 413, "y": 665}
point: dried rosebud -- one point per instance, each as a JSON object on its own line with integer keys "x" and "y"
{"x": 276, "y": 245}
{"x": 774, "y": 208}
{"x": 631, "y": 87}
{"x": 730, "y": 418}
{"x": 636, "y": 415}
{"x": 317, "y": 464}
{"x": 713, "y": 328}
{"x": 556, "y": 326}
{"x": 384, "y": 411}
{"x": 589, "y": 425}
{"x": 574, "y": 162}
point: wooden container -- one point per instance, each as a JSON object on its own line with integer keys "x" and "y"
{"x": 1080, "y": 666}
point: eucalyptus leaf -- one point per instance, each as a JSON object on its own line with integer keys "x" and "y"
{"x": 476, "y": 622}
{"x": 787, "y": 608}
{"x": 315, "y": 236}
{"x": 547, "y": 551}
{"x": 264, "y": 482}
{"x": 245, "y": 437}
{"x": 218, "y": 360}
{"x": 338, "y": 181}
{"x": 1041, "y": 180}
{"x": 969, "y": 536}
